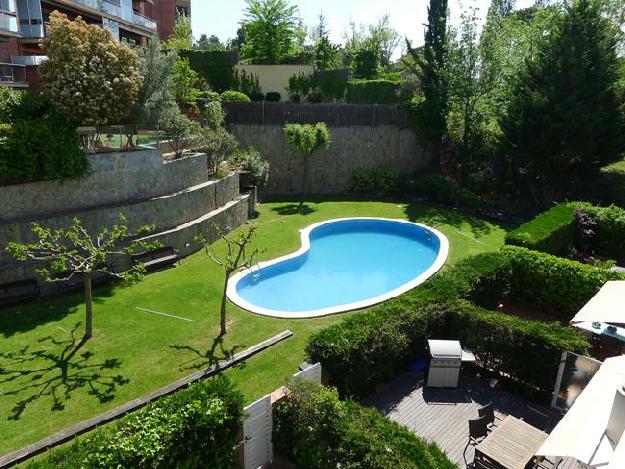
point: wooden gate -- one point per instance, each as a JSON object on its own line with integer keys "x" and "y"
{"x": 257, "y": 428}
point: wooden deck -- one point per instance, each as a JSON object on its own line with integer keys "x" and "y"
{"x": 441, "y": 415}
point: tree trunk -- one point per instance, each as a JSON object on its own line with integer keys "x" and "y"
{"x": 304, "y": 184}
{"x": 224, "y": 301}
{"x": 88, "y": 306}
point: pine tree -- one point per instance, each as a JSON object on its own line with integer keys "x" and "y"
{"x": 565, "y": 119}
{"x": 434, "y": 80}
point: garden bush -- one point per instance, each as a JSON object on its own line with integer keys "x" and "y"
{"x": 560, "y": 285}
{"x": 234, "y": 96}
{"x": 216, "y": 67}
{"x": 273, "y": 97}
{"x": 380, "y": 181}
{"x": 195, "y": 427}
{"x": 253, "y": 163}
{"x": 372, "y": 92}
{"x": 551, "y": 231}
{"x": 376, "y": 345}
{"x": 317, "y": 430}
{"x": 608, "y": 238}
{"x": 36, "y": 143}
{"x": 441, "y": 189}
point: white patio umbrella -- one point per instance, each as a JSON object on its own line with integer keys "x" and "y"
{"x": 607, "y": 306}
{"x": 581, "y": 434}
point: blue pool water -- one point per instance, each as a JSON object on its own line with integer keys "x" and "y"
{"x": 349, "y": 261}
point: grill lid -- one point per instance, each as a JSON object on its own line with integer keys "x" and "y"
{"x": 447, "y": 349}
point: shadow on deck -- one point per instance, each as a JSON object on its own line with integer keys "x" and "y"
{"x": 442, "y": 415}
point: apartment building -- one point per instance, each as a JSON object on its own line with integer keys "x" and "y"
{"x": 23, "y": 25}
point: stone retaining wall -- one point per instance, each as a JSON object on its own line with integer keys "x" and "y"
{"x": 114, "y": 178}
{"x": 331, "y": 171}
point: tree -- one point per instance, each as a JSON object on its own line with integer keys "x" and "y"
{"x": 434, "y": 77}
{"x": 74, "y": 252}
{"x": 387, "y": 39}
{"x": 269, "y": 28}
{"x": 325, "y": 53}
{"x": 89, "y": 77}
{"x": 565, "y": 119}
{"x": 236, "y": 257}
{"x": 178, "y": 128}
{"x": 217, "y": 143}
{"x": 307, "y": 139}
{"x": 367, "y": 60}
{"x": 209, "y": 43}
{"x": 184, "y": 80}
{"x": 182, "y": 38}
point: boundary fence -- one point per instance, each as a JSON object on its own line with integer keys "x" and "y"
{"x": 334, "y": 115}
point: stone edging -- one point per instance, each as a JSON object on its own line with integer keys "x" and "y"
{"x": 118, "y": 412}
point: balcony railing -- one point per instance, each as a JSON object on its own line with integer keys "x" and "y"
{"x": 144, "y": 21}
{"x": 8, "y": 22}
{"x": 12, "y": 74}
{"x": 115, "y": 9}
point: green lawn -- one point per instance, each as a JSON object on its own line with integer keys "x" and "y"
{"x": 46, "y": 386}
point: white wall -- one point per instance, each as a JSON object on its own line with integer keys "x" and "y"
{"x": 275, "y": 78}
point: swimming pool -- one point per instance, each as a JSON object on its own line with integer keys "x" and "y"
{"x": 343, "y": 265}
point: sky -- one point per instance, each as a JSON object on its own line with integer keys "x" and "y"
{"x": 222, "y": 17}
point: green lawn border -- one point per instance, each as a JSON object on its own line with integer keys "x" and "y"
{"x": 68, "y": 434}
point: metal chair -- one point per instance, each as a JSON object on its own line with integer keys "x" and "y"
{"x": 478, "y": 430}
{"x": 488, "y": 412}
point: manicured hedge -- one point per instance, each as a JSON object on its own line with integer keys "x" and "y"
{"x": 231, "y": 95}
{"x": 376, "y": 345}
{"x": 551, "y": 232}
{"x": 194, "y": 428}
{"x": 372, "y": 92}
{"x": 317, "y": 430}
{"x": 609, "y": 231}
{"x": 554, "y": 283}
{"x": 216, "y": 67}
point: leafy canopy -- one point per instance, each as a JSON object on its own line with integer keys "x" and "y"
{"x": 89, "y": 77}
{"x": 308, "y": 138}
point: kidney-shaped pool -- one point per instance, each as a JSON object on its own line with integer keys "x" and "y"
{"x": 343, "y": 265}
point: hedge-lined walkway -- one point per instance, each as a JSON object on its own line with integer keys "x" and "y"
{"x": 441, "y": 415}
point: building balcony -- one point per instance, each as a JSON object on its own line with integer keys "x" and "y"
{"x": 13, "y": 75}
{"x": 119, "y": 11}
{"x": 8, "y": 18}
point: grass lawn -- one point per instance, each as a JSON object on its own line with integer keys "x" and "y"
{"x": 46, "y": 384}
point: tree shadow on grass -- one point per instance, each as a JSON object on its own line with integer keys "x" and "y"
{"x": 56, "y": 371}
{"x": 206, "y": 359}
{"x": 434, "y": 216}
{"x": 293, "y": 209}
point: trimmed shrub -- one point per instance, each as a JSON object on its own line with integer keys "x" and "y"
{"x": 551, "y": 232}
{"x": 557, "y": 284}
{"x": 37, "y": 143}
{"x": 381, "y": 181}
{"x": 372, "y": 92}
{"x": 273, "y": 97}
{"x": 216, "y": 67}
{"x": 254, "y": 164}
{"x": 376, "y": 345}
{"x": 317, "y": 430}
{"x": 234, "y": 96}
{"x": 195, "y": 427}
{"x": 608, "y": 239}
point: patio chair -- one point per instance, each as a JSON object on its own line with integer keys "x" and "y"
{"x": 544, "y": 463}
{"x": 488, "y": 411}
{"x": 478, "y": 430}
{"x": 537, "y": 418}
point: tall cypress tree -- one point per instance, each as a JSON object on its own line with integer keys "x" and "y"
{"x": 434, "y": 80}
{"x": 565, "y": 120}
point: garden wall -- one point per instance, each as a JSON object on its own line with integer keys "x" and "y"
{"x": 353, "y": 148}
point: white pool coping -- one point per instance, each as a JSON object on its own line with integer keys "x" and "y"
{"x": 438, "y": 264}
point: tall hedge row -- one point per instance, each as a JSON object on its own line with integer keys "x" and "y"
{"x": 560, "y": 285}
{"x": 375, "y": 346}
{"x": 372, "y": 92}
{"x": 317, "y": 430}
{"x": 609, "y": 231}
{"x": 194, "y": 428}
{"x": 551, "y": 232}
{"x": 216, "y": 67}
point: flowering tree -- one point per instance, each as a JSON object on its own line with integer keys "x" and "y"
{"x": 89, "y": 77}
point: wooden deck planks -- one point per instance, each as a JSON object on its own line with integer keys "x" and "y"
{"x": 441, "y": 415}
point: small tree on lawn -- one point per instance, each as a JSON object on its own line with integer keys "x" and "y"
{"x": 89, "y": 77}
{"x": 237, "y": 256}
{"x": 307, "y": 139}
{"x": 74, "y": 252}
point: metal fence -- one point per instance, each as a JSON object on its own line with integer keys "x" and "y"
{"x": 334, "y": 115}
